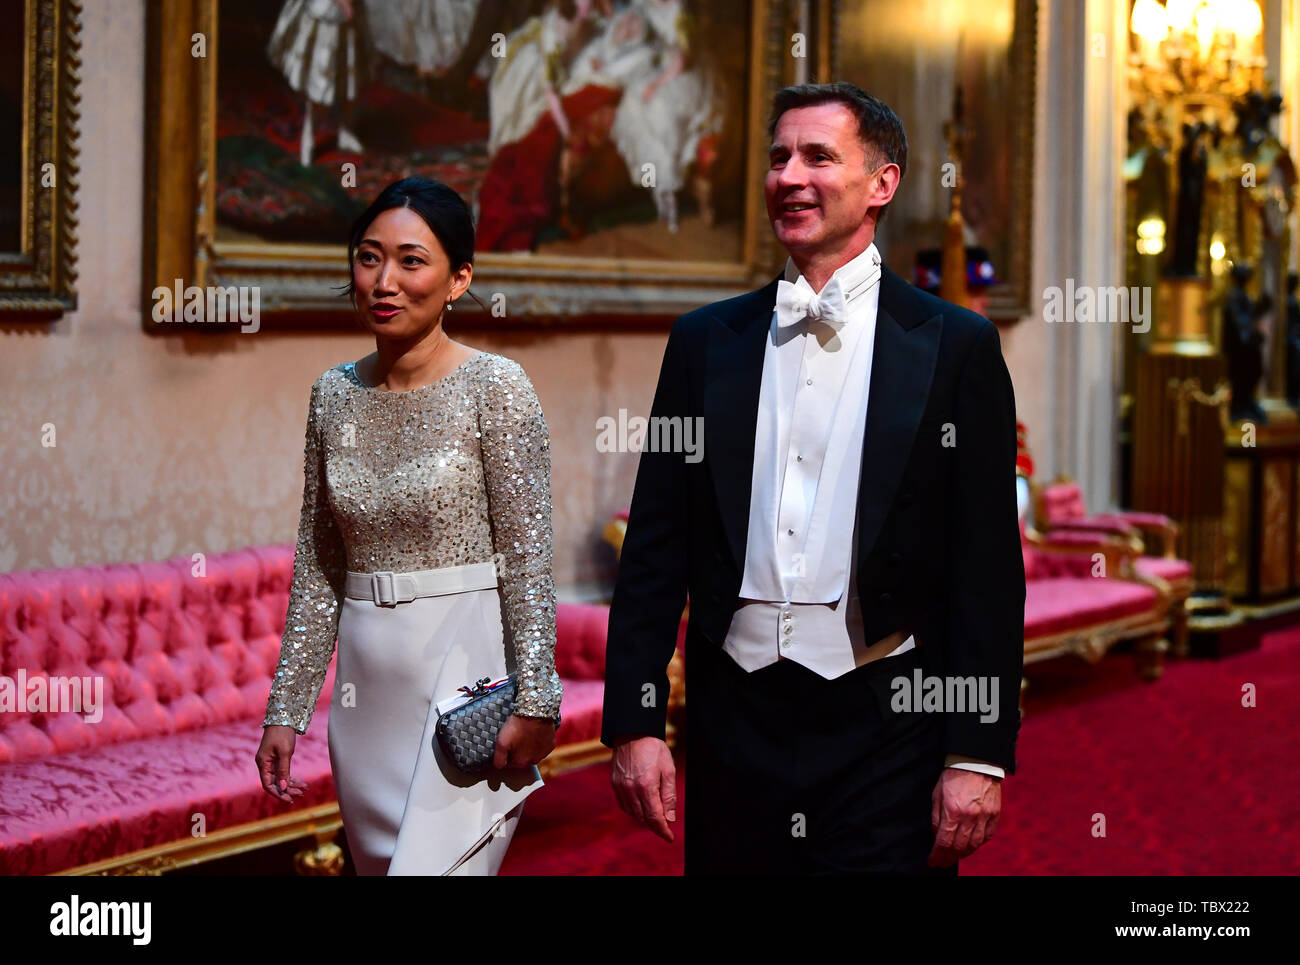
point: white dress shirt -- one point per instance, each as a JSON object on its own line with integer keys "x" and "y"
{"x": 799, "y": 598}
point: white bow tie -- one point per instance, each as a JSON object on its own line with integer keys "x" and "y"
{"x": 797, "y": 301}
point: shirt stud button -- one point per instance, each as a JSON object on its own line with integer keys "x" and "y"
{"x": 790, "y": 532}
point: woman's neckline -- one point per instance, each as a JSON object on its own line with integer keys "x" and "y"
{"x": 351, "y": 369}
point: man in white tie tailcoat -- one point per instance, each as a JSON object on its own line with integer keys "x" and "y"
{"x": 848, "y": 542}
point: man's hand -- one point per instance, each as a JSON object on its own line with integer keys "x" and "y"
{"x": 964, "y": 810}
{"x": 645, "y": 783}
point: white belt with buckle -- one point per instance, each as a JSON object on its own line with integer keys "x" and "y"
{"x": 387, "y": 588}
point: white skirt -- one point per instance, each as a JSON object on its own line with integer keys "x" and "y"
{"x": 406, "y": 809}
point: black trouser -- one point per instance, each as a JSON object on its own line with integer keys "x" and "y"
{"x": 791, "y": 773}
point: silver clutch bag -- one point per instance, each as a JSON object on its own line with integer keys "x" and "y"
{"x": 468, "y": 733}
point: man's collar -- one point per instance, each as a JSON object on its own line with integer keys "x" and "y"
{"x": 853, "y": 274}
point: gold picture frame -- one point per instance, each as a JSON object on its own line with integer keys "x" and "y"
{"x": 297, "y": 283}
{"x": 38, "y": 278}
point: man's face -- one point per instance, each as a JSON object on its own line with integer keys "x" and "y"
{"x": 818, "y": 188}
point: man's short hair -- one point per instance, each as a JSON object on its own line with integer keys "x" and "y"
{"x": 879, "y": 128}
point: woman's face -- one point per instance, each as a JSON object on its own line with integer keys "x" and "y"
{"x": 402, "y": 275}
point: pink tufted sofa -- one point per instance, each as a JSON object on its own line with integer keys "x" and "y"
{"x": 163, "y": 775}
{"x": 1060, "y": 509}
{"x": 1081, "y": 598}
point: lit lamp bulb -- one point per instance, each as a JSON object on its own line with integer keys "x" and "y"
{"x": 1248, "y": 21}
{"x": 1149, "y": 23}
{"x": 1207, "y": 22}
{"x": 1151, "y": 236}
{"x": 1180, "y": 14}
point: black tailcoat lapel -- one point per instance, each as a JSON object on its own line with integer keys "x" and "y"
{"x": 733, "y": 376}
{"x": 902, "y": 367}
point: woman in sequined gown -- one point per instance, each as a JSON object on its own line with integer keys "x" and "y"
{"x": 424, "y": 543}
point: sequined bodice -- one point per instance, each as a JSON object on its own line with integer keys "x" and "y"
{"x": 405, "y": 477}
{"x": 453, "y": 472}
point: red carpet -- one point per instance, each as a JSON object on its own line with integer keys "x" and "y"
{"x": 1188, "y": 780}
{"x": 573, "y": 827}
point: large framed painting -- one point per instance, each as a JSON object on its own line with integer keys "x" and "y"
{"x": 612, "y": 150}
{"x": 913, "y": 54}
{"x": 39, "y": 71}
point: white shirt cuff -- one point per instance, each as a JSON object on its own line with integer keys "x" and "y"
{"x": 971, "y": 764}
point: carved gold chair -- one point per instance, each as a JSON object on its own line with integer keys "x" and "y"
{"x": 1083, "y": 591}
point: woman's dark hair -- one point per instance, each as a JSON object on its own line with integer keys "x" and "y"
{"x": 442, "y": 209}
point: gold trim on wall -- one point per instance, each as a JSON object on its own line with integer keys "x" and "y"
{"x": 295, "y": 279}
{"x": 37, "y": 283}
{"x": 1010, "y": 301}
{"x": 1236, "y": 526}
{"x": 1275, "y": 551}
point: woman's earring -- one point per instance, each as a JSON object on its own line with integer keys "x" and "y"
{"x": 448, "y": 306}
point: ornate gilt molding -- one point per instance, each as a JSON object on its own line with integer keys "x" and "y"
{"x": 1091, "y": 643}
{"x": 1010, "y": 300}
{"x": 38, "y": 282}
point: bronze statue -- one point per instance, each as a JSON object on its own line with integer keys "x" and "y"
{"x": 1243, "y": 344}
{"x": 1254, "y": 113}
{"x": 1192, "y": 164}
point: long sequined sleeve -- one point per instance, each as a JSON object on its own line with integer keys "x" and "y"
{"x": 516, "y": 451}
{"x": 319, "y": 568}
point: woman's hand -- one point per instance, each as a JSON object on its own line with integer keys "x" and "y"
{"x": 273, "y": 757}
{"x": 524, "y": 741}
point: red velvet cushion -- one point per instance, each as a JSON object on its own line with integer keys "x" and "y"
{"x": 581, "y": 709}
{"x": 1078, "y": 535}
{"x": 87, "y": 805}
{"x": 580, "y": 632}
{"x": 1062, "y": 501}
{"x": 1169, "y": 570}
{"x": 1049, "y": 564}
{"x": 176, "y": 650}
{"x": 1099, "y": 526}
{"x": 1071, "y": 603}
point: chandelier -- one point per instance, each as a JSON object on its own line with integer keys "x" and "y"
{"x": 1193, "y": 49}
